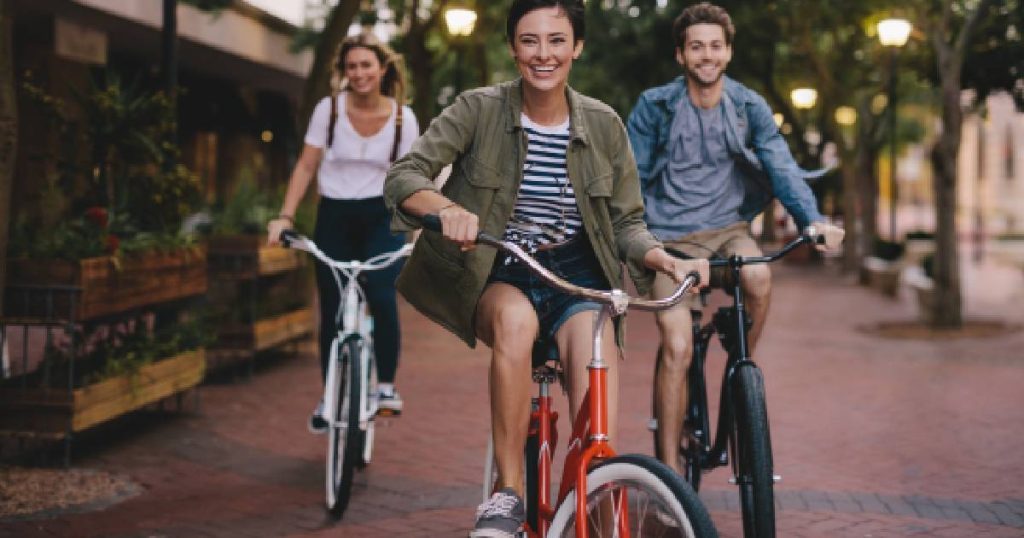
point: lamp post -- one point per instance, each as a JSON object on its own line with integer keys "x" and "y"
{"x": 893, "y": 33}
{"x": 460, "y": 21}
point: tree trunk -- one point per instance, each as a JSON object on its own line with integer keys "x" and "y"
{"x": 852, "y": 216}
{"x": 318, "y": 83}
{"x": 421, "y": 61}
{"x": 865, "y": 157}
{"x": 948, "y": 306}
{"x": 8, "y": 134}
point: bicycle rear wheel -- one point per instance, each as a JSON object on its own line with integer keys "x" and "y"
{"x": 638, "y": 493}
{"x": 345, "y": 439}
{"x": 752, "y": 454}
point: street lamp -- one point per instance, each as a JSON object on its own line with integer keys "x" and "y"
{"x": 804, "y": 99}
{"x": 460, "y": 21}
{"x": 893, "y": 33}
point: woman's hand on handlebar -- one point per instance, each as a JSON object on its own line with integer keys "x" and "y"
{"x": 677, "y": 268}
{"x": 274, "y": 229}
{"x": 459, "y": 225}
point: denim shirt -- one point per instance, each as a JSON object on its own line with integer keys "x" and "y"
{"x": 752, "y": 139}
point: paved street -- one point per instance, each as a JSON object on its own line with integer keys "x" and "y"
{"x": 873, "y": 437}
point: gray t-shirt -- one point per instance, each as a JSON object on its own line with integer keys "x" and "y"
{"x": 701, "y": 188}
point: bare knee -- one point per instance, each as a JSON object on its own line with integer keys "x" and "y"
{"x": 513, "y": 331}
{"x": 676, "y": 347}
{"x": 757, "y": 280}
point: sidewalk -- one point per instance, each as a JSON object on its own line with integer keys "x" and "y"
{"x": 872, "y": 437}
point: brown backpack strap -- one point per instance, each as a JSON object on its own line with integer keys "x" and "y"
{"x": 398, "y": 132}
{"x": 332, "y": 120}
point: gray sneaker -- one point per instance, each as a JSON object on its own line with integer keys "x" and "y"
{"x": 501, "y": 516}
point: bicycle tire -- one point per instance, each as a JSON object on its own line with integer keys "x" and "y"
{"x": 345, "y": 443}
{"x": 660, "y": 502}
{"x": 753, "y": 454}
{"x": 370, "y": 382}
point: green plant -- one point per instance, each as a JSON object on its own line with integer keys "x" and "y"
{"x": 105, "y": 351}
{"x": 928, "y": 265}
{"x": 247, "y": 210}
{"x": 887, "y": 250}
{"x": 919, "y": 234}
{"x": 113, "y": 154}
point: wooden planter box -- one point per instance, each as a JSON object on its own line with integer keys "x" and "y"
{"x": 266, "y": 333}
{"x": 48, "y": 412}
{"x": 924, "y": 292}
{"x": 880, "y": 274}
{"x": 248, "y": 256}
{"x": 110, "y": 286}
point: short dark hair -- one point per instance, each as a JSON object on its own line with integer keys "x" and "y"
{"x": 702, "y": 13}
{"x": 572, "y": 8}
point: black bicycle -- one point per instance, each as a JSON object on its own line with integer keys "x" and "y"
{"x": 742, "y": 429}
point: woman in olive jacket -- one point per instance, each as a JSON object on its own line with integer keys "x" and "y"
{"x": 505, "y": 180}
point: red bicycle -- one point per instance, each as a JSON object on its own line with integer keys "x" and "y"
{"x": 601, "y": 493}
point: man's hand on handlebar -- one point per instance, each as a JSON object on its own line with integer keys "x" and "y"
{"x": 677, "y": 268}
{"x": 829, "y": 236}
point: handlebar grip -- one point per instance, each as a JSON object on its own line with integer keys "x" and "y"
{"x": 432, "y": 222}
{"x": 287, "y": 236}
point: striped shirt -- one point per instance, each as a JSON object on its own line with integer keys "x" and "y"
{"x": 545, "y": 210}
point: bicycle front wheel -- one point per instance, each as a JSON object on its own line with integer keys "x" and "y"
{"x": 345, "y": 442}
{"x": 639, "y": 494}
{"x": 752, "y": 454}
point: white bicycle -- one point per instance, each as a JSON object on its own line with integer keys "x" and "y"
{"x": 350, "y": 391}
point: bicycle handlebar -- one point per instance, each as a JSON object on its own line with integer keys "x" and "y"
{"x": 295, "y": 240}
{"x": 809, "y": 236}
{"x": 617, "y": 299}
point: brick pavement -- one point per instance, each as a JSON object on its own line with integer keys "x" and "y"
{"x": 873, "y": 437}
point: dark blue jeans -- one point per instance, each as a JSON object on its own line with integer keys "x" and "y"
{"x": 357, "y": 230}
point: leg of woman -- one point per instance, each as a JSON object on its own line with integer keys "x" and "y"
{"x": 507, "y": 322}
{"x": 336, "y": 236}
{"x": 380, "y": 290}
{"x": 575, "y": 340}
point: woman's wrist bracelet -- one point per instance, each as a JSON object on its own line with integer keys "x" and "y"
{"x": 453, "y": 204}
{"x": 288, "y": 218}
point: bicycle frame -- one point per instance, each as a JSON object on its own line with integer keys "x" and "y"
{"x": 588, "y": 442}
{"x": 352, "y": 315}
{"x": 731, "y": 323}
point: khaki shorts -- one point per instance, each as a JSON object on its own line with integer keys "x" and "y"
{"x": 718, "y": 243}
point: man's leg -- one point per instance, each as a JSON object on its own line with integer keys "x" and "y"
{"x": 507, "y": 322}
{"x": 757, "y": 283}
{"x": 670, "y": 388}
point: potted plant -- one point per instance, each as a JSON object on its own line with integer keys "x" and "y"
{"x": 255, "y": 301}
{"x": 117, "y": 370}
{"x": 920, "y": 278}
{"x": 919, "y": 243}
{"x": 99, "y": 241}
{"x": 881, "y": 270}
{"x": 109, "y": 215}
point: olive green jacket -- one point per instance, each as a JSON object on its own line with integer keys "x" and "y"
{"x": 481, "y": 134}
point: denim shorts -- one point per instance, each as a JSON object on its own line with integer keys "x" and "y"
{"x": 575, "y": 262}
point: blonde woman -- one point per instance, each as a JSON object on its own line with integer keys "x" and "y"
{"x": 353, "y": 137}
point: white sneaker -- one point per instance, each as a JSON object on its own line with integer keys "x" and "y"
{"x": 317, "y": 423}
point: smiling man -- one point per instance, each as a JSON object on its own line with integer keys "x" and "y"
{"x": 710, "y": 158}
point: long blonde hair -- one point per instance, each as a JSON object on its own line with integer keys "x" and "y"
{"x": 392, "y": 84}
